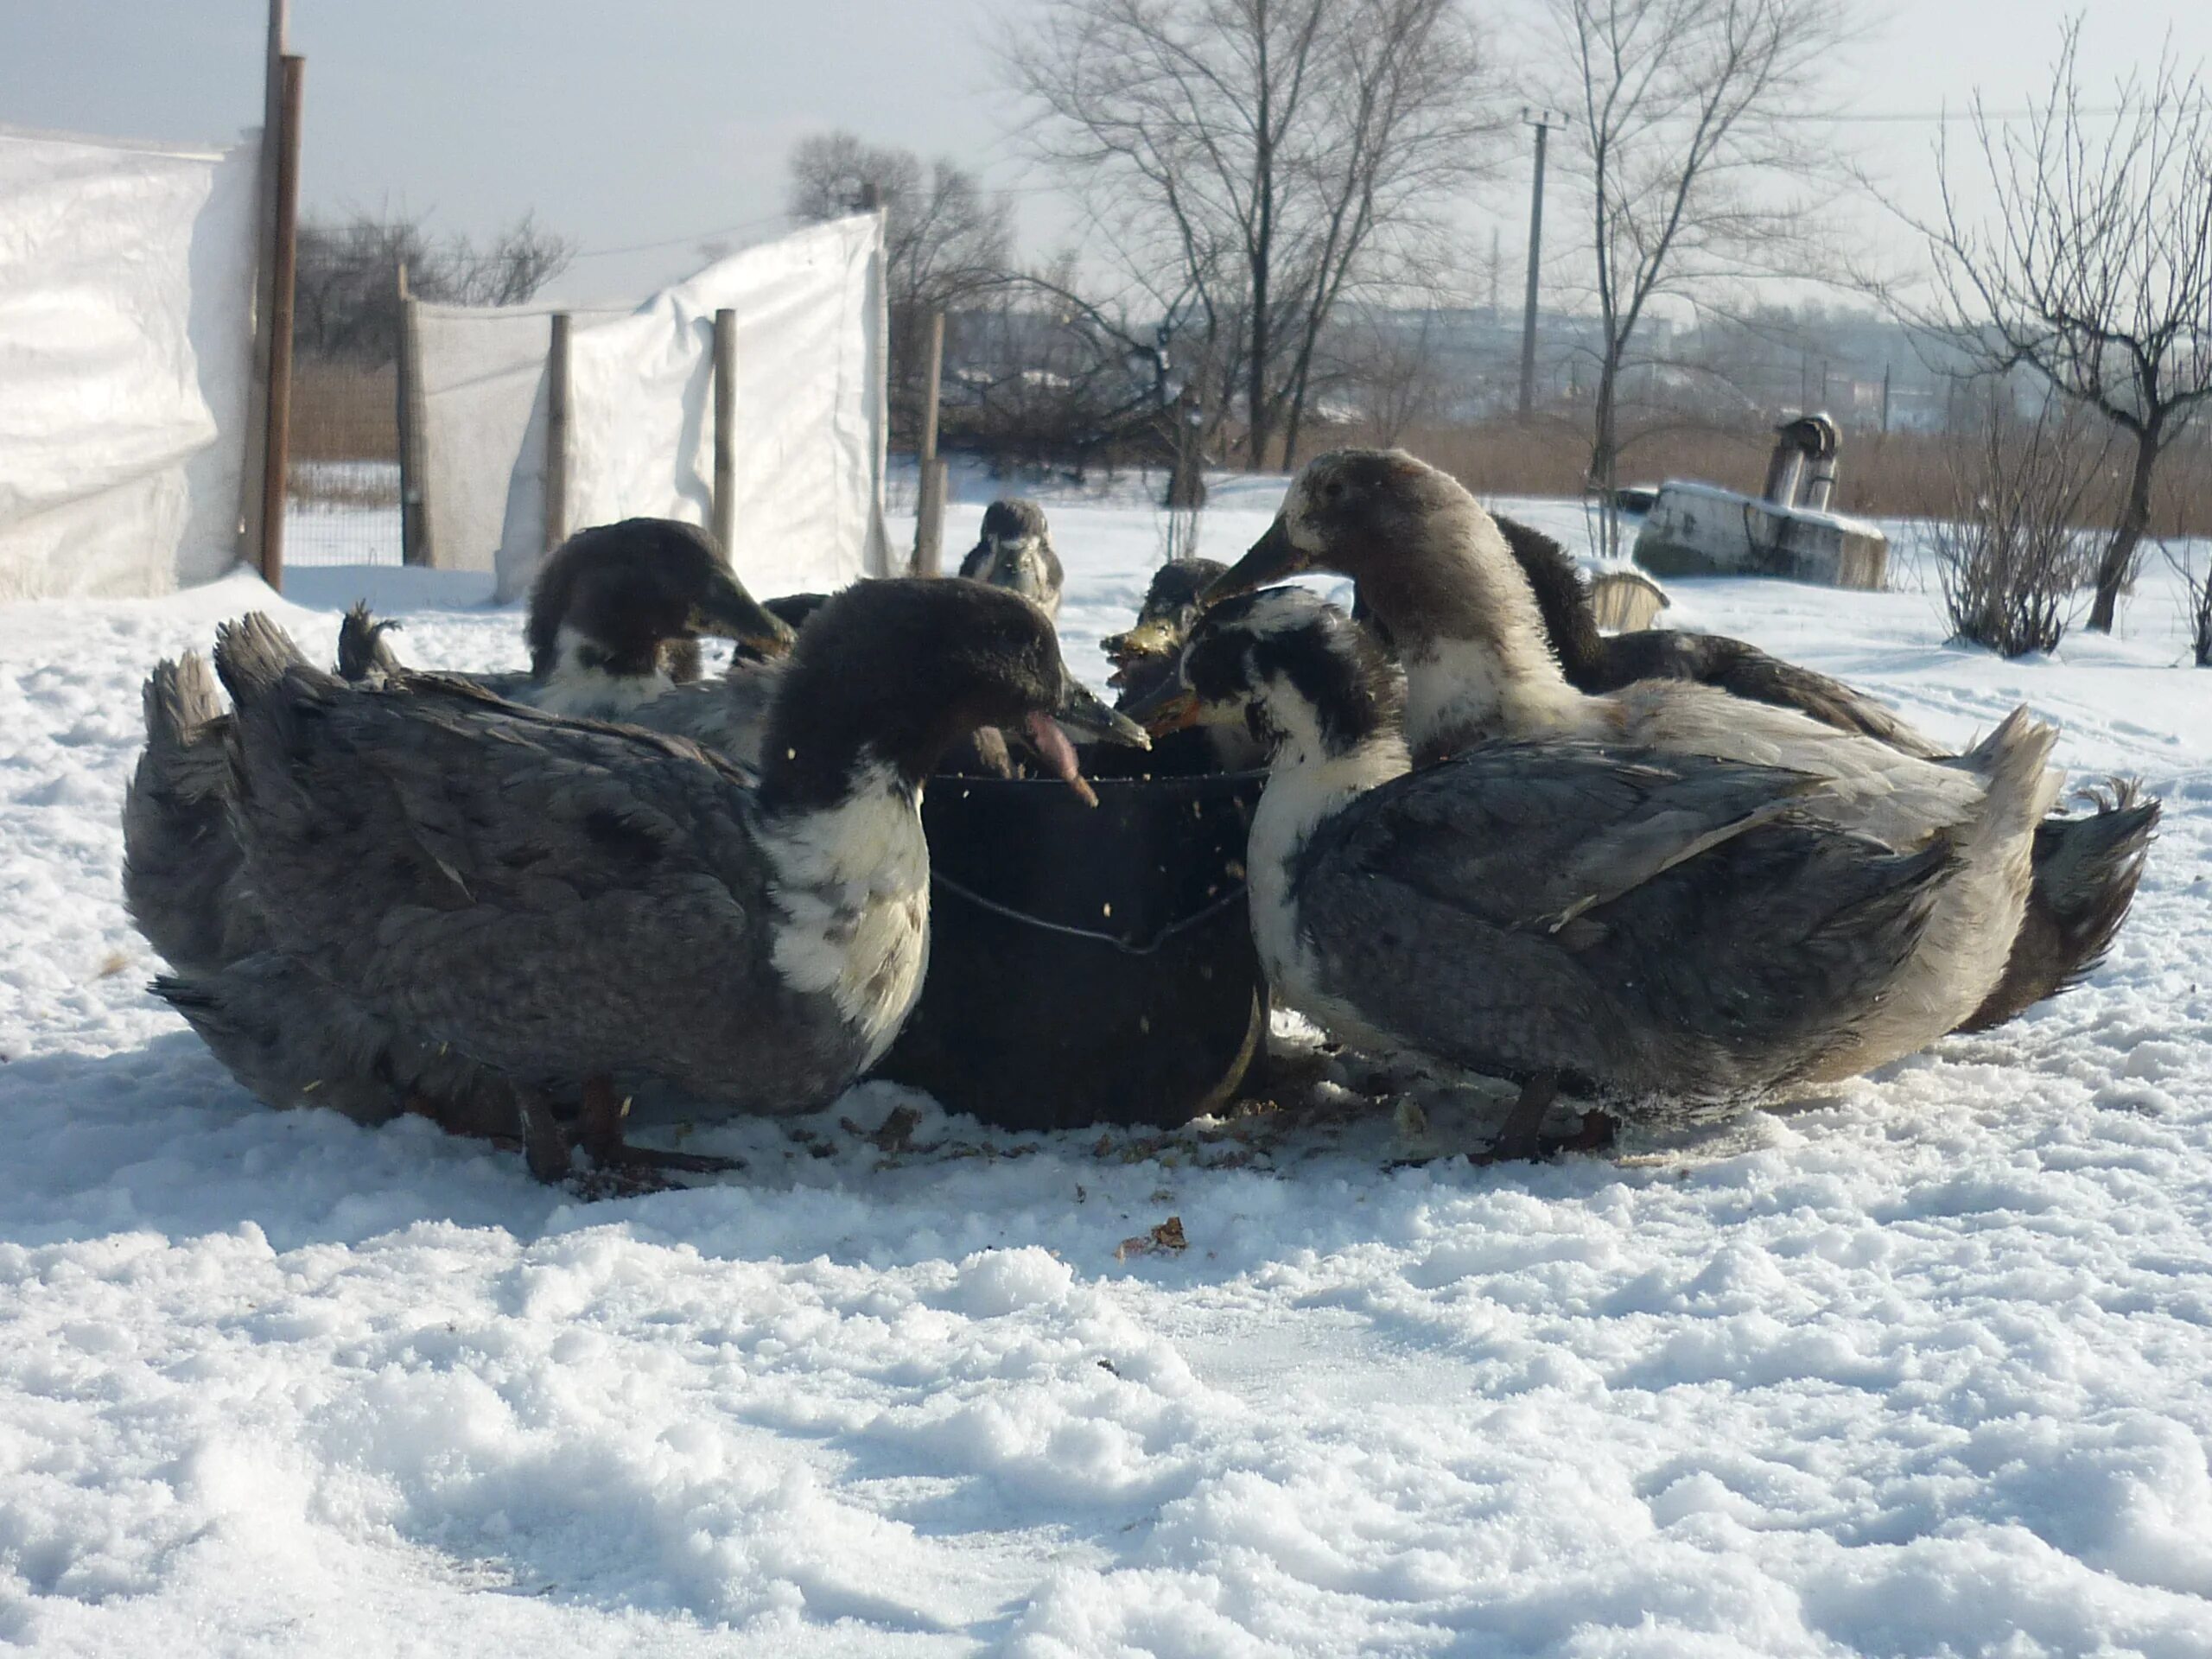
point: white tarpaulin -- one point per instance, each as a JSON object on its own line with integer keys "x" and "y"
{"x": 126, "y": 363}
{"x": 811, "y": 430}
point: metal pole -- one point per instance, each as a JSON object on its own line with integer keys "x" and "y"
{"x": 557, "y": 433}
{"x": 726, "y": 432}
{"x": 280, "y": 329}
{"x": 1541, "y": 120}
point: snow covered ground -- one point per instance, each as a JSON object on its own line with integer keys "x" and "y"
{"x": 1918, "y": 1367}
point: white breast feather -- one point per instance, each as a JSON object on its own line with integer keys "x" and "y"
{"x": 853, "y": 882}
{"x": 578, "y": 691}
{"x": 1303, "y": 787}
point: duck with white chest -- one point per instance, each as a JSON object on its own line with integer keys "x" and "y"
{"x": 564, "y": 904}
{"x": 1436, "y": 570}
{"x": 1665, "y": 933}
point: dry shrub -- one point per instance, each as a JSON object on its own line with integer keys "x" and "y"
{"x": 2012, "y": 550}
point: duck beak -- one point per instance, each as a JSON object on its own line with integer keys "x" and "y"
{"x": 1081, "y": 713}
{"x": 1169, "y": 708}
{"x": 1271, "y": 558}
{"x": 729, "y": 612}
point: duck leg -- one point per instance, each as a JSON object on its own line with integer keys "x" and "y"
{"x": 545, "y": 1148}
{"x": 1517, "y": 1140}
{"x": 599, "y": 1129}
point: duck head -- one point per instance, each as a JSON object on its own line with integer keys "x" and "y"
{"x": 1016, "y": 552}
{"x": 1294, "y": 669}
{"x": 1429, "y": 561}
{"x": 1142, "y": 653}
{"x": 610, "y": 600}
{"x": 891, "y": 673}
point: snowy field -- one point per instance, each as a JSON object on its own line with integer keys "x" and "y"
{"x": 1918, "y": 1367}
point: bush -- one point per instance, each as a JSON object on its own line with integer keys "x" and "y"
{"x": 2012, "y": 553}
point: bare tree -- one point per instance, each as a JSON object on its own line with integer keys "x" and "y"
{"x": 1386, "y": 365}
{"x": 2010, "y": 552}
{"x": 946, "y": 239}
{"x": 2093, "y": 267}
{"x": 1267, "y": 156}
{"x": 345, "y": 299}
{"x": 1682, "y": 134}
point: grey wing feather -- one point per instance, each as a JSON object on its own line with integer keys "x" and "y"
{"x": 554, "y": 896}
{"x": 1730, "y": 950}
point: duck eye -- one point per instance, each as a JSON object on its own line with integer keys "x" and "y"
{"x": 1334, "y": 490}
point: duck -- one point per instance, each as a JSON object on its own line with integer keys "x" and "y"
{"x": 1145, "y": 659}
{"x": 1016, "y": 551}
{"x": 1665, "y": 932}
{"x": 2084, "y": 867}
{"x": 1148, "y": 653}
{"x": 1438, "y": 573}
{"x": 608, "y": 618}
{"x": 542, "y": 904}
{"x": 613, "y": 621}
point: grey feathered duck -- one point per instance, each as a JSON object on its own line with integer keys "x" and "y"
{"x": 1440, "y": 575}
{"x": 2085, "y": 868}
{"x": 615, "y": 613}
{"x": 499, "y": 905}
{"x": 609, "y": 609}
{"x": 1665, "y": 933}
{"x": 1014, "y": 551}
{"x": 1146, "y": 654}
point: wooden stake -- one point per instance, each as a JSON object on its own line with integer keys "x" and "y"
{"x": 725, "y": 515}
{"x": 929, "y": 522}
{"x": 277, "y": 463}
{"x": 415, "y": 544}
{"x": 265, "y": 277}
{"x": 557, "y": 433}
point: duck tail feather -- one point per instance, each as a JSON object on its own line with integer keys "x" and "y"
{"x": 253, "y": 656}
{"x": 2022, "y": 788}
{"x": 179, "y": 698}
{"x": 362, "y": 654}
{"x": 2087, "y": 869}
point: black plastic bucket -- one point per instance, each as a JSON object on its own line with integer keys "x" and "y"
{"x": 1087, "y": 965}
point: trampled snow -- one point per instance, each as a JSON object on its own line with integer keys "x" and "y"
{"x": 1917, "y": 1368}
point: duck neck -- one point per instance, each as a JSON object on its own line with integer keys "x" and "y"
{"x": 583, "y": 679}
{"x": 824, "y": 738}
{"x": 1318, "y": 767}
{"x": 1468, "y": 629}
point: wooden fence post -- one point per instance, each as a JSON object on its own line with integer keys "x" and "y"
{"x": 725, "y": 510}
{"x": 414, "y": 544}
{"x": 276, "y": 463}
{"x": 557, "y": 433}
{"x": 929, "y": 521}
{"x": 265, "y": 278}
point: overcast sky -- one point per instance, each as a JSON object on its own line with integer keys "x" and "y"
{"x": 666, "y": 121}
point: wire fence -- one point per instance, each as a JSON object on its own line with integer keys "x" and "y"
{"x": 342, "y": 488}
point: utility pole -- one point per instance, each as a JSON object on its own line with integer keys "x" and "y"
{"x": 1543, "y": 121}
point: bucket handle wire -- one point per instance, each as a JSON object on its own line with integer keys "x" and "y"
{"x": 1206, "y": 912}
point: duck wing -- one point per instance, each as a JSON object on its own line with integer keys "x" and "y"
{"x": 729, "y": 715}
{"x": 1642, "y": 923}
{"x": 554, "y": 897}
{"x": 1744, "y": 670}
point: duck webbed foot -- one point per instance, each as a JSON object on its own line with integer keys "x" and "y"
{"x": 598, "y": 1131}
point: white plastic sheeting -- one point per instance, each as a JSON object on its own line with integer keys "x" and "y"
{"x": 810, "y": 426}
{"x": 126, "y": 362}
